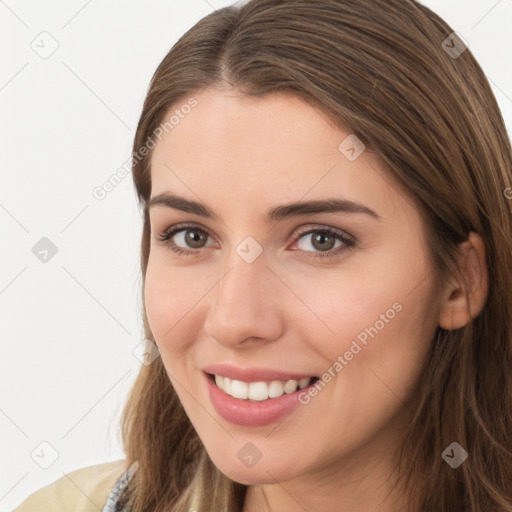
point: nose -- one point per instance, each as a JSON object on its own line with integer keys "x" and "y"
{"x": 246, "y": 305}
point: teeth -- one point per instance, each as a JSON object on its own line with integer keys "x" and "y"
{"x": 275, "y": 389}
{"x": 259, "y": 391}
{"x": 239, "y": 389}
{"x": 304, "y": 382}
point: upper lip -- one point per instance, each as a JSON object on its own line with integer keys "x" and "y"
{"x": 253, "y": 374}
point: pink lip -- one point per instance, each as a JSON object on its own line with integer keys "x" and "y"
{"x": 252, "y": 374}
{"x": 251, "y": 414}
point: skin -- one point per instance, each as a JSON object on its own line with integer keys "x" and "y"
{"x": 287, "y": 309}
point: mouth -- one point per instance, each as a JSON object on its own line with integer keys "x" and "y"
{"x": 260, "y": 391}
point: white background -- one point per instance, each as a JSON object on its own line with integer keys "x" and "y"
{"x": 69, "y": 326}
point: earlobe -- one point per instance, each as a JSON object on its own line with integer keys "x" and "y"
{"x": 455, "y": 310}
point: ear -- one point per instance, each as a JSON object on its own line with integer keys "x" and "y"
{"x": 455, "y": 309}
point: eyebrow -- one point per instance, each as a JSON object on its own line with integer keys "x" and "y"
{"x": 277, "y": 213}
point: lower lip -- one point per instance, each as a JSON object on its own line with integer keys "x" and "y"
{"x": 253, "y": 414}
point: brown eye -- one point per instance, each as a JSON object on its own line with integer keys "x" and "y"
{"x": 323, "y": 241}
{"x": 195, "y": 238}
{"x": 184, "y": 239}
{"x": 320, "y": 242}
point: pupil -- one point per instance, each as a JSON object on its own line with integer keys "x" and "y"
{"x": 321, "y": 238}
{"x": 195, "y": 238}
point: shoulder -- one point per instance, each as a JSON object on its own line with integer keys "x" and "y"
{"x": 83, "y": 490}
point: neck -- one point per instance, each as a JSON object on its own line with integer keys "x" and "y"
{"x": 365, "y": 494}
{"x": 362, "y": 482}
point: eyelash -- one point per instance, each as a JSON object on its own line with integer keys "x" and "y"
{"x": 348, "y": 242}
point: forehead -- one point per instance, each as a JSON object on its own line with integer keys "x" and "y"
{"x": 244, "y": 152}
{"x": 251, "y": 124}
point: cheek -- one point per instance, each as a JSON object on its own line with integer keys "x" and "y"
{"x": 171, "y": 295}
{"x": 383, "y": 319}
{"x": 347, "y": 305}
{"x": 383, "y": 331}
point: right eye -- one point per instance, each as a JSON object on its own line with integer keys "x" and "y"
{"x": 184, "y": 239}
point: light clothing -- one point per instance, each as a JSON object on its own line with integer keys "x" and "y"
{"x": 83, "y": 490}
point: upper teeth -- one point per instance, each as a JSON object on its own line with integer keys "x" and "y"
{"x": 259, "y": 390}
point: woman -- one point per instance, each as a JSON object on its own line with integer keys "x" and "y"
{"x": 326, "y": 268}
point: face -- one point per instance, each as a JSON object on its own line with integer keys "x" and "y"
{"x": 345, "y": 295}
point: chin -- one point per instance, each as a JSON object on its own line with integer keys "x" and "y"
{"x": 262, "y": 472}
{"x": 251, "y": 476}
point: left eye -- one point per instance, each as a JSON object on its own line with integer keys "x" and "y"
{"x": 322, "y": 240}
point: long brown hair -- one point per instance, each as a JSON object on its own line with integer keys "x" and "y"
{"x": 384, "y": 69}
